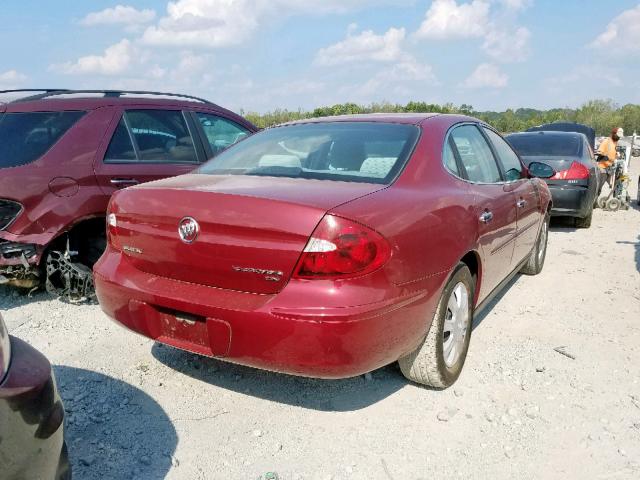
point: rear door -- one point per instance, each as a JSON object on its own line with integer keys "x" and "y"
{"x": 495, "y": 204}
{"x": 147, "y": 144}
{"x": 526, "y": 197}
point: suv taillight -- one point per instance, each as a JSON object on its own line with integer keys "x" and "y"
{"x": 340, "y": 248}
{"x": 9, "y": 210}
{"x": 576, "y": 171}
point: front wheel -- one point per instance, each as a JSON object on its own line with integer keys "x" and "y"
{"x": 539, "y": 253}
{"x": 438, "y": 361}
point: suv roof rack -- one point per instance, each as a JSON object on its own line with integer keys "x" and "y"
{"x": 51, "y": 92}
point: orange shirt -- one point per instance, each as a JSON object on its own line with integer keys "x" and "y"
{"x": 608, "y": 148}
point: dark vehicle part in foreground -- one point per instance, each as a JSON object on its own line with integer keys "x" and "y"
{"x": 62, "y": 155}
{"x": 31, "y": 414}
{"x": 576, "y": 184}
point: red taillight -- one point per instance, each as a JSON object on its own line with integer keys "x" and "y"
{"x": 576, "y": 171}
{"x": 341, "y": 248}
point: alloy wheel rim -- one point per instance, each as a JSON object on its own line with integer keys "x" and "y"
{"x": 543, "y": 243}
{"x": 456, "y": 322}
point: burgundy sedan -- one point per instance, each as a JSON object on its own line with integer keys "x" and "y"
{"x": 330, "y": 247}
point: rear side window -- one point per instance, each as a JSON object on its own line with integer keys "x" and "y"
{"x": 25, "y": 137}
{"x": 477, "y": 158}
{"x": 152, "y": 136}
{"x": 220, "y": 132}
{"x": 510, "y": 161}
{"x": 368, "y": 152}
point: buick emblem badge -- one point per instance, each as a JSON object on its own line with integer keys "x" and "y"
{"x": 188, "y": 229}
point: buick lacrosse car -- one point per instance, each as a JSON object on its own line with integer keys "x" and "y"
{"x": 329, "y": 247}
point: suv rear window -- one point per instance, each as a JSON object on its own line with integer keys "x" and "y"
{"x": 25, "y": 137}
{"x": 344, "y": 151}
{"x": 539, "y": 144}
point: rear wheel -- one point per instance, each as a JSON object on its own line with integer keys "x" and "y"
{"x": 586, "y": 221}
{"x": 438, "y": 361}
{"x": 539, "y": 253}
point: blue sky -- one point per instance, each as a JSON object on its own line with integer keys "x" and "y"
{"x": 262, "y": 54}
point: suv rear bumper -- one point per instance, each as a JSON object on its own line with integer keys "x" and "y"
{"x": 266, "y": 331}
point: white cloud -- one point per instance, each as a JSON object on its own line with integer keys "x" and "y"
{"x": 11, "y": 79}
{"x": 116, "y": 60}
{"x": 622, "y": 34}
{"x": 486, "y": 75}
{"x": 445, "y": 19}
{"x": 119, "y": 15}
{"x": 507, "y": 46}
{"x": 221, "y": 23}
{"x": 516, "y": 4}
{"x": 365, "y": 46}
{"x": 401, "y": 79}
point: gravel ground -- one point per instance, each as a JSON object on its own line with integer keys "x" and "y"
{"x": 521, "y": 409}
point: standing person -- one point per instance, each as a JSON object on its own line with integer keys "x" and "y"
{"x": 607, "y": 154}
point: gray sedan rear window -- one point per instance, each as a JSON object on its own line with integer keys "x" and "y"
{"x": 25, "y": 137}
{"x": 368, "y": 152}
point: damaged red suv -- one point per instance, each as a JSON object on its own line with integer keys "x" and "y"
{"x": 64, "y": 152}
{"x": 330, "y": 247}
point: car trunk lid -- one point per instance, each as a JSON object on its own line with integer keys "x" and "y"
{"x": 251, "y": 230}
{"x": 559, "y": 164}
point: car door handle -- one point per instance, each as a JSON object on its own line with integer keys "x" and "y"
{"x": 124, "y": 181}
{"x": 486, "y": 217}
{"x": 521, "y": 203}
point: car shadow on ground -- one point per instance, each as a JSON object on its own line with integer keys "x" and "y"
{"x": 113, "y": 429}
{"x": 12, "y": 297}
{"x": 316, "y": 394}
{"x": 637, "y": 247}
{"x": 484, "y": 313}
{"x": 563, "y": 224}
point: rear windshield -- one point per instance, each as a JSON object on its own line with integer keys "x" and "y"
{"x": 25, "y": 137}
{"x": 345, "y": 151}
{"x": 545, "y": 145}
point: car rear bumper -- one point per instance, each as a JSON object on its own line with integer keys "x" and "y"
{"x": 572, "y": 201}
{"x": 266, "y": 331}
{"x": 31, "y": 418}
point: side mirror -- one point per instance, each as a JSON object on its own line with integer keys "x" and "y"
{"x": 541, "y": 170}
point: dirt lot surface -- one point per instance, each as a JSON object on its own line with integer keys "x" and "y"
{"x": 521, "y": 409}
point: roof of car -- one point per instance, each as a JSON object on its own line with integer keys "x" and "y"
{"x": 406, "y": 118}
{"x": 64, "y": 99}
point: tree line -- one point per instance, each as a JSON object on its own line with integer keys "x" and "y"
{"x": 602, "y": 115}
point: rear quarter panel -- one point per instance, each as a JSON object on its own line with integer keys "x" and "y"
{"x": 426, "y": 215}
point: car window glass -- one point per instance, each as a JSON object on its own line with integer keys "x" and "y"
{"x": 220, "y": 132}
{"x": 510, "y": 161}
{"x": 476, "y": 155}
{"x": 450, "y": 159}
{"x": 25, "y": 137}
{"x": 372, "y": 152}
{"x": 161, "y": 136}
{"x": 120, "y": 147}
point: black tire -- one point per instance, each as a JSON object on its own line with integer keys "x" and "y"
{"x": 585, "y": 222}
{"x": 536, "y": 259}
{"x": 426, "y": 365}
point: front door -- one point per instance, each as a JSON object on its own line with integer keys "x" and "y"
{"x": 526, "y": 197}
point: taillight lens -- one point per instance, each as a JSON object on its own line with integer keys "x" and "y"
{"x": 112, "y": 230}
{"x": 340, "y": 248}
{"x": 576, "y": 171}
